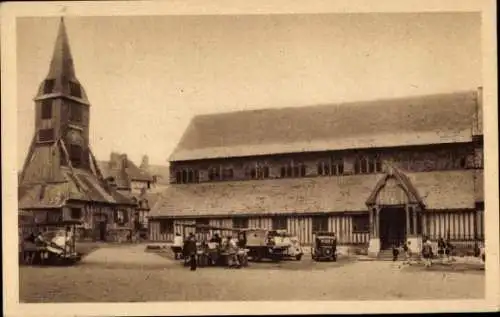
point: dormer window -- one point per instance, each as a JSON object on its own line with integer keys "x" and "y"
{"x": 48, "y": 86}
{"x": 337, "y": 167}
{"x": 46, "y": 109}
{"x": 75, "y": 90}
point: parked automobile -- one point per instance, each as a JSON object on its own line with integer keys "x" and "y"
{"x": 294, "y": 250}
{"x": 325, "y": 246}
{"x": 48, "y": 243}
{"x": 265, "y": 244}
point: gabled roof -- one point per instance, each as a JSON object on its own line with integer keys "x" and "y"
{"x": 403, "y": 181}
{"x": 124, "y": 175}
{"x": 437, "y": 190}
{"x": 432, "y": 119}
{"x": 162, "y": 173}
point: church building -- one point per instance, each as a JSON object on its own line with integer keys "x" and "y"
{"x": 376, "y": 173}
{"x": 61, "y": 179}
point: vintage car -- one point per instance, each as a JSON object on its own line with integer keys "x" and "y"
{"x": 265, "y": 244}
{"x": 294, "y": 251}
{"x": 48, "y": 243}
{"x": 325, "y": 246}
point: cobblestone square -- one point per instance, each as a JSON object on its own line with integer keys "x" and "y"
{"x": 128, "y": 274}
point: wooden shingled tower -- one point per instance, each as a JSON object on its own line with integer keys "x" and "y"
{"x": 60, "y": 172}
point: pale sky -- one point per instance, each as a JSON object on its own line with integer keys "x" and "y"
{"x": 146, "y": 77}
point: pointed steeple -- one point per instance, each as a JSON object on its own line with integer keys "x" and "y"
{"x": 61, "y": 78}
{"x": 61, "y": 65}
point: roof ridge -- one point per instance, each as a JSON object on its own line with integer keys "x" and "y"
{"x": 342, "y": 103}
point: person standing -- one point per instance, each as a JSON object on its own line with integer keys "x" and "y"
{"x": 447, "y": 250}
{"x": 407, "y": 251}
{"x": 441, "y": 248}
{"x": 427, "y": 252}
{"x": 334, "y": 248}
{"x": 192, "y": 251}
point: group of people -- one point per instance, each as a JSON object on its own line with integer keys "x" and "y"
{"x": 188, "y": 248}
{"x": 444, "y": 249}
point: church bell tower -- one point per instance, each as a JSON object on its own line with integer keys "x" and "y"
{"x": 61, "y": 136}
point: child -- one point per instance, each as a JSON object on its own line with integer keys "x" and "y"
{"x": 407, "y": 251}
{"x": 395, "y": 253}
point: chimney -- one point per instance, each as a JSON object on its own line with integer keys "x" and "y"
{"x": 114, "y": 160}
{"x": 123, "y": 161}
{"x": 145, "y": 162}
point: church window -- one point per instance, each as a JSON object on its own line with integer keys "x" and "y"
{"x": 47, "y": 109}
{"x": 75, "y": 113}
{"x": 360, "y": 223}
{"x": 337, "y": 167}
{"x": 240, "y": 222}
{"x": 363, "y": 166}
{"x": 293, "y": 169}
{"x": 321, "y": 168}
{"x": 283, "y": 171}
{"x": 279, "y": 223}
{"x": 46, "y": 135}
{"x": 320, "y": 223}
{"x": 48, "y": 86}
{"x": 214, "y": 173}
{"x": 75, "y": 155}
{"x": 259, "y": 171}
{"x": 367, "y": 165}
{"x": 75, "y": 90}
{"x": 186, "y": 176}
{"x": 378, "y": 164}
{"x": 227, "y": 174}
{"x": 266, "y": 171}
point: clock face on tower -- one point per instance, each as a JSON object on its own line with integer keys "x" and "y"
{"x": 74, "y": 137}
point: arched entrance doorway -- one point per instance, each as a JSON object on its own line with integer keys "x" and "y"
{"x": 395, "y": 212}
{"x": 392, "y": 226}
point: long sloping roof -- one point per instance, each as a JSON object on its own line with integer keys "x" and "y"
{"x": 440, "y": 118}
{"x": 78, "y": 185}
{"x": 438, "y": 190}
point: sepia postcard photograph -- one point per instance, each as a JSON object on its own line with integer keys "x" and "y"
{"x": 240, "y": 157}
